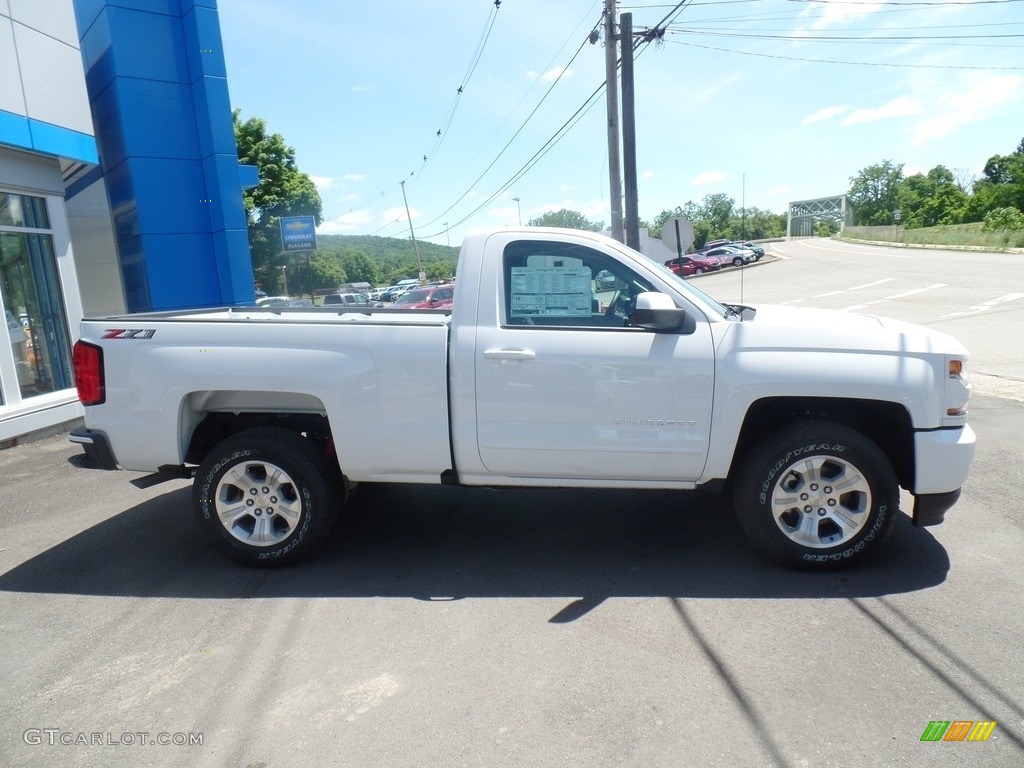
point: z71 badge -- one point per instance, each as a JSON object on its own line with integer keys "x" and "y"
{"x": 128, "y": 333}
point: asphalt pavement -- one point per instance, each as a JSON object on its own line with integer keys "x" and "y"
{"x": 470, "y": 627}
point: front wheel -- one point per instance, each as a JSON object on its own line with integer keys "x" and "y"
{"x": 268, "y": 496}
{"x": 698, "y": 271}
{"x": 816, "y": 495}
{"x": 738, "y": 261}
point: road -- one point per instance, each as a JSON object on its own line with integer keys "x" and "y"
{"x": 976, "y": 297}
{"x": 467, "y": 627}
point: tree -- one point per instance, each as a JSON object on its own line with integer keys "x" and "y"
{"x": 874, "y": 191}
{"x": 568, "y": 219}
{"x": 359, "y": 268}
{"x": 283, "y": 190}
{"x": 927, "y": 201}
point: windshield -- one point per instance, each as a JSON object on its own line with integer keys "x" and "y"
{"x": 413, "y": 297}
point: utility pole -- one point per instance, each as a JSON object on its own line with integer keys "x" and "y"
{"x": 632, "y": 224}
{"x": 611, "y": 67}
{"x": 415, "y": 245}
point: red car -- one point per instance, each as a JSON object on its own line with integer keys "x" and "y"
{"x": 427, "y": 297}
{"x": 693, "y": 264}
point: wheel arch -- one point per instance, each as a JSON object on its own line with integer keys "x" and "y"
{"x": 211, "y": 416}
{"x": 886, "y": 424}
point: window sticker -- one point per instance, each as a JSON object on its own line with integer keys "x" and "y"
{"x": 551, "y": 291}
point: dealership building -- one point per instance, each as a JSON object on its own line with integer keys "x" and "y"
{"x": 120, "y": 187}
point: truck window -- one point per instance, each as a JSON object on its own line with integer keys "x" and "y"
{"x": 567, "y": 285}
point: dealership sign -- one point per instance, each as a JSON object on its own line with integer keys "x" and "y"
{"x": 298, "y": 233}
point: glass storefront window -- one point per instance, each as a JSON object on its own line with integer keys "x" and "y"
{"x": 30, "y": 293}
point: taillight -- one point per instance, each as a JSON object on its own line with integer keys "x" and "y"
{"x": 88, "y": 359}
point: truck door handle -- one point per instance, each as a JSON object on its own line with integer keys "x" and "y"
{"x": 509, "y": 354}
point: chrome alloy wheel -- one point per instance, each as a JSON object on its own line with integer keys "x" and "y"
{"x": 821, "y": 501}
{"x": 257, "y": 503}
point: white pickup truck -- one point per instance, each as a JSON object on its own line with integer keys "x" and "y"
{"x": 541, "y": 375}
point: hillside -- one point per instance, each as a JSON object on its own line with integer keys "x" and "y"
{"x": 387, "y": 250}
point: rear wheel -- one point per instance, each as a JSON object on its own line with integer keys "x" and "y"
{"x": 268, "y": 495}
{"x": 816, "y": 495}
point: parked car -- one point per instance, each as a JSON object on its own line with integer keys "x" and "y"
{"x": 427, "y": 297}
{"x": 694, "y": 264}
{"x": 757, "y": 249}
{"x": 604, "y": 280}
{"x": 348, "y": 300}
{"x": 273, "y": 301}
{"x": 730, "y": 254}
{"x": 396, "y": 290}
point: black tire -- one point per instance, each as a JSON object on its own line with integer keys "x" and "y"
{"x": 267, "y": 495}
{"x": 738, "y": 261}
{"x": 826, "y": 526}
{"x": 698, "y": 271}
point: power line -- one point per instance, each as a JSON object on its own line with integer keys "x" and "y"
{"x": 836, "y": 61}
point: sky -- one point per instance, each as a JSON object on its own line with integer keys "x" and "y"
{"x": 466, "y": 105}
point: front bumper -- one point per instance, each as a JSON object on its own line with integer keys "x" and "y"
{"x": 96, "y": 450}
{"x": 942, "y": 460}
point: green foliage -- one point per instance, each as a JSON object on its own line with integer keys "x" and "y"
{"x": 825, "y": 228}
{"x": 282, "y": 191}
{"x": 393, "y": 259}
{"x": 874, "y": 191}
{"x": 715, "y": 217}
{"x": 568, "y": 220}
{"x": 1003, "y": 220}
{"x": 358, "y": 267}
{"x": 937, "y": 198}
{"x": 927, "y": 201}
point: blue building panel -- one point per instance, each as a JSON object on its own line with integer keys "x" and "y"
{"x": 14, "y": 130}
{"x": 235, "y": 277}
{"x": 62, "y": 142}
{"x": 133, "y": 107}
{"x": 157, "y": 86}
{"x": 211, "y": 100}
{"x": 172, "y": 195}
{"x": 182, "y": 271}
{"x": 203, "y": 43}
{"x": 226, "y": 207}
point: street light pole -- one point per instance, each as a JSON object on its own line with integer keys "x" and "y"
{"x": 284, "y": 276}
{"x": 519, "y": 212}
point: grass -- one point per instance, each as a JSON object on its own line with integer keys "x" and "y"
{"x": 970, "y": 235}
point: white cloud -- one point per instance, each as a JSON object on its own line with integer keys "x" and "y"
{"x": 709, "y": 177}
{"x": 399, "y": 213}
{"x": 837, "y": 13}
{"x": 823, "y": 114}
{"x": 322, "y": 183}
{"x": 780, "y": 191}
{"x": 359, "y": 88}
{"x": 901, "y": 106}
{"x": 354, "y": 177}
{"x": 345, "y": 223}
{"x": 647, "y": 175}
{"x": 551, "y": 75}
{"x": 961, "y": 108}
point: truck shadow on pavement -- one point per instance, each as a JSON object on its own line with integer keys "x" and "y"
{"x": 445, "y": 543}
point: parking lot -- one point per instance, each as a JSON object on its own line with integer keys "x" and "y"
{"x": 449, "y": 626}
{"x": 467, "y": 627}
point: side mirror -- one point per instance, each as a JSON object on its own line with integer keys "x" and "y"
{"x": 657, "y": 312}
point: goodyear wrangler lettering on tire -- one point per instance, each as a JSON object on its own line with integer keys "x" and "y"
{"x": 816, "y": 494}
{"x": 268, "y": 496}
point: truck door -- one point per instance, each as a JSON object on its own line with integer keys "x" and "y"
{"x": 565, "y": 388}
